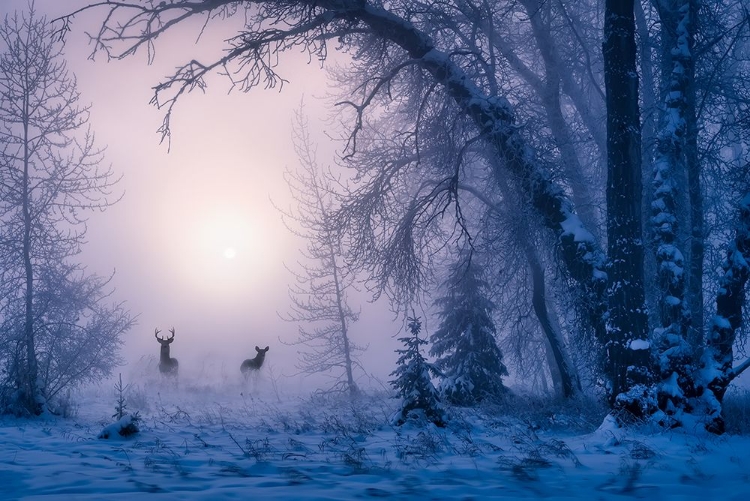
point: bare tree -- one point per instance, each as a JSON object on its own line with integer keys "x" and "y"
{"x": 319, "y": 294}
{"x": 59, "y": 332}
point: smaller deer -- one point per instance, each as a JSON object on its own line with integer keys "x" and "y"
{"x": 254, "y": 364}
{"x": 167, "y": 366}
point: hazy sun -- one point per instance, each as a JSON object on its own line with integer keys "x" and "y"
{"x": 230, "y": 253}
{"x": 226, "y": 251}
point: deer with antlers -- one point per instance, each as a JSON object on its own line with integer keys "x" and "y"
{"x": 167, "y": 365}
{"x": 253, "y": 364}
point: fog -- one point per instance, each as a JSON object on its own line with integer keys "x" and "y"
{"x": 196, "y": 243}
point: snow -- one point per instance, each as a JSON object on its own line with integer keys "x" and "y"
{"x": 573, "y": 226}
{"x": 670, "y": 386}
{"x": 600, "y": 275}
{"x": 219, "y": 442}
{"x": 639, "y": 344}
{"x": 123, "y": 427}
{"x": 710, "y": 369}
{"x": 683, "y": 49}
{"x": 721, "y": 322}
{"x": 664, "y": 218}
{"x": 672, "y": 301}
{"x": 674, "y": 269}
{"x": 738, "y": 260}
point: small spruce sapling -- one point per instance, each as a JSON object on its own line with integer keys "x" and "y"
{"x": 127, "y": 424}
{"x": 121, "y": 403}
{"x": 412, "y": 382}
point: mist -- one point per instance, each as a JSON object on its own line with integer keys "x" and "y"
{"x": 196, "y": 243}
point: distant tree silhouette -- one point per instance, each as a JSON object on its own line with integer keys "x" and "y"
{"x": 319, "y": 292}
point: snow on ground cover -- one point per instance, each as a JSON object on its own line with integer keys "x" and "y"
{"x": 202, "y": 440}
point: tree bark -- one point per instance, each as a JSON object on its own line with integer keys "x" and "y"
{"x": 675, "y": 355}
{"x": 650, "y": 121}
{"x": 32, "y": 391}
{"x": 716, "y": 365}
{"x": 562, "y": 367}
{"x": 352, "y": 386}
{"x": 626, "y": 343}
{"x": 695, "y": 193}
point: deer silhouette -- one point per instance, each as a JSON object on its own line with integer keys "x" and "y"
{"x": 167, "y": 366}
{"x": 254, "y": 364}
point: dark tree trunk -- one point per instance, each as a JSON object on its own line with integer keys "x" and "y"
{"x": 650, "y": 120}
{"x": 627, "y": 364}
{"x": 697, "y": 232}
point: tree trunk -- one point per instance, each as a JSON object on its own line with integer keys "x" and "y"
{"x": 561, "y": 368}
{"x": 650, "y": 114}
{"x": 716, "y": 365}
{"x": 549, "y": 92}
{"x": 32, "y": 394}
{"x": 695, "y": 193}
{"x": 675, "y": 355}
{"x": 627, "y": 363}
{"x": 340, "y": 300}
{"x": 353, "y": 390}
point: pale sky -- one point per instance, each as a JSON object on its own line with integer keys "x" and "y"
{"x": 195, "y": 242}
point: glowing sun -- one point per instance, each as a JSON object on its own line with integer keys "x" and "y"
{"x": 227, "y": 251}
{"x": 230, "y": 253}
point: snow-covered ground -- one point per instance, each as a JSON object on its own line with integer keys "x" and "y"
{"x": 231, "y": 440}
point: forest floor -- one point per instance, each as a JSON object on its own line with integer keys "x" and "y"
{"x": 238, "y": 440}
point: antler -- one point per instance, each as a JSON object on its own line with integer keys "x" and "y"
{"x": 172, "y": 331}
{"x": 156, "y": 333}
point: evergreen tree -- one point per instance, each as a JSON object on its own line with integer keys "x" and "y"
{"x": 469, "y": 358}
{"x": 413, "y": 383}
